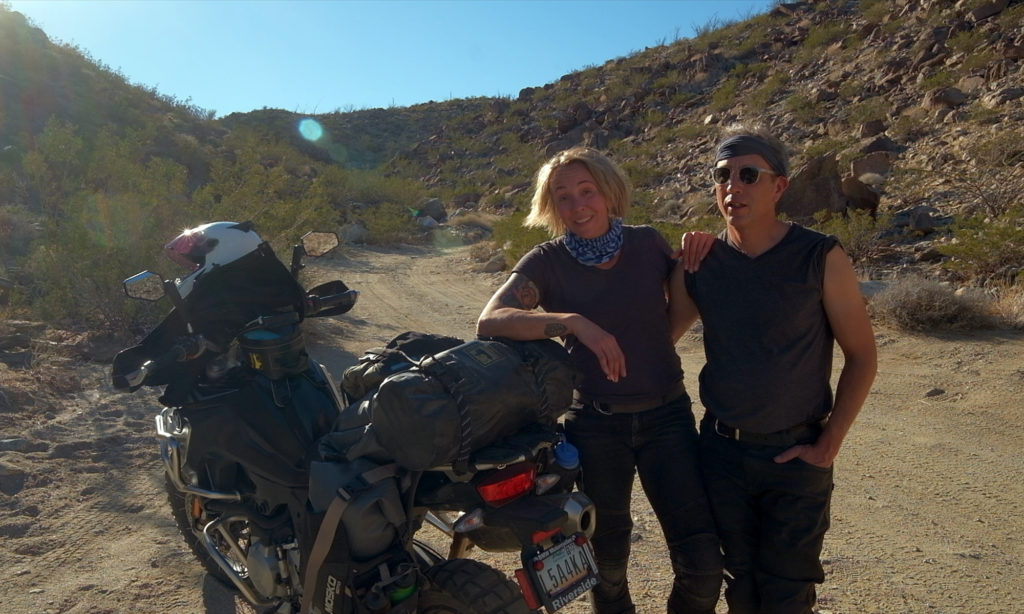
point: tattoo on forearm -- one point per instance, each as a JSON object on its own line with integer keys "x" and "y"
{"x": 555, "y": 330}
{"x": 522, "y": 295}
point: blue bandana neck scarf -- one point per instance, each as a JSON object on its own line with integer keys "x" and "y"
{"x": 599, "y": 250}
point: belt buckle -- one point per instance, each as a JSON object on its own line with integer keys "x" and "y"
{"x": 599, "y": 409}
{"x": 734, "y": 435}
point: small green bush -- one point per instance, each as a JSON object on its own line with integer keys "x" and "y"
{"x": 389, "y": 223}
{"x": 874, "y": 11}
{"x": 822, "y": 147}
{"x": 772, "y": 86}
{"x": 725, "y": 96}
{"x": 868, "y": 110}
{"x": 16, "y": 232}
{"x": 801, "y": 107}
{"x": 988, "y": 247}
{"x": 824, "y": 35}
{"x": 515, "y": 239}
{"x": 939, "y": 79}
{"x": 967, "y": 41}
{"x": 856, "y": 230}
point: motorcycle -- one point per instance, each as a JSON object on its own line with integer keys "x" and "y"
{"x": 245, "y": 419}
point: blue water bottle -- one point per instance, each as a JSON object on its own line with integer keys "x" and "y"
{"x": 567, "y": 464}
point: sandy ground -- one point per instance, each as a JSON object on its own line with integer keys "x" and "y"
{"x": 927, "y": 514}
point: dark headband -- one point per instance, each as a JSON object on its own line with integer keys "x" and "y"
{"x": 746, "y": 144}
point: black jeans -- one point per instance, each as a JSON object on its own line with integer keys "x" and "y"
{"x": 660, "y": 445}
{"x": 772, "y": 520}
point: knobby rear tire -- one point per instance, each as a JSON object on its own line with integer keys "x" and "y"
{"x": 465, "y": 586}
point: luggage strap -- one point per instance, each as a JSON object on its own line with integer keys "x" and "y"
{"x": 329, "y": 529}
{"x": 450, "y": 383}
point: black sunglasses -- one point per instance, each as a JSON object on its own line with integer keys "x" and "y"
{"x": 748, "y": 174}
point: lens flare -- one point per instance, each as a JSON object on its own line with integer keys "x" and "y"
{"x": 310, "y": 129}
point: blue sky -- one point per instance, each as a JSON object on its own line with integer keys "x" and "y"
{"x": 327, "y": 55}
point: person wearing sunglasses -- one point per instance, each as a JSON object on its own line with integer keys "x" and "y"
{"x": 601, "y": 286}
{"x": 773, "y": 297}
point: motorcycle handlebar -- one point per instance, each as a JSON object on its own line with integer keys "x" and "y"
{"x": 186, "y": 349}
{"x": 331, "y": 304}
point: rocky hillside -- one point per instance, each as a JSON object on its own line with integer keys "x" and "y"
{"x": 911, "y": 109}
{"x": 888, "y": 105}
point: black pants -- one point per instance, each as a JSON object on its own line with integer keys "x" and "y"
{"x": 660, "y": 445}
{"x": 772, "y": 520}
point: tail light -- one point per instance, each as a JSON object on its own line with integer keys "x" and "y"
{"x": 507, "y": 484}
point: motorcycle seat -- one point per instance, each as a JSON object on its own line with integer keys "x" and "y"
{"x": 521, "y": 446}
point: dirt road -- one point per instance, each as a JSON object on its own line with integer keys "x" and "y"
{"x": 927, "y": 514}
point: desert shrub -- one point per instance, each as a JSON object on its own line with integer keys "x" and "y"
{"x": 981, "y": 114}
{"x": 673, "y": 231}
{"x": 725, "y": 96}
{"x": 976, "y": 60}
{"x": 388, "y": 222}
{"x": 994, "y": 191}
{"x": 772, "y": 86}
{"x": 821, "y": 147}
{"x": 911, "y": 124}
{"x": 16, "y": 231}
{"x": 801, "y": 107}
{"x": 1011, "y": 18}
{"x": 857, "y": 230}
{"x": 514, "y": 238}
{"x": 918, "y": 304}
{"x": 851, "y": 88}
{"x": 689, "y": 132}
{"x": 989, "y": 247}
{"x": 823, "y": 35}
{"x": 77, "y": 280}
{"x": 1009, "y": 304}
{"x": 645, "y": 171}
{"x": 967, "y": 41}
{"x": 867, "y": 110}
{"x": 874, "y": 11}
{"x": 756, "y": 69}
{"x": 938, "y": 79}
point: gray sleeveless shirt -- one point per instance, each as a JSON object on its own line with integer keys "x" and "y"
{"x": 627, "y": 300}
{"x": 767, "y": 339}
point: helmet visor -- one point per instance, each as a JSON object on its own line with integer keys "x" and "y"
{"x": 187, "y": 250}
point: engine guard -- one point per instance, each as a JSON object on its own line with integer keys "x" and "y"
{"x": 172, "y": 434}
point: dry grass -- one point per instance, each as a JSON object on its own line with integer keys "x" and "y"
{"x": 918, "y": 304}
{"x": 1010, "y": 306}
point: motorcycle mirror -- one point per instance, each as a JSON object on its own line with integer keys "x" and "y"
{"x": 144, "y": 286}
{"x": 319, "y": 243}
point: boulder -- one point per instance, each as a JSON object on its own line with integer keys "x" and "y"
{"x": 860, "y": 195}
{"x": 432, "y": 207}
{"x": 816, "y": 187}
{"x": 948, "y": 97}
{"x": 876, "y": 162}
{"x": 355, "y": 232}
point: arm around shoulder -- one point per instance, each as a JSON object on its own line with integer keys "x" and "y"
{"x": 682, "y": 311}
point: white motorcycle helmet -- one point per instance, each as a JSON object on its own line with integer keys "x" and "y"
{"x": 205, "y": 247}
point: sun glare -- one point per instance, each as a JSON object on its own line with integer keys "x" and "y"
{"x": 310, "y": 129}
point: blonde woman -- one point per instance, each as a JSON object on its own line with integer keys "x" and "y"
{"x": 601, "y": 285}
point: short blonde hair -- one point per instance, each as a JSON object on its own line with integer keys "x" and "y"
{"x": 610, "y": 179}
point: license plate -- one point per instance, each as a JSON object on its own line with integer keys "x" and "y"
{"x": 563, "y": 573}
